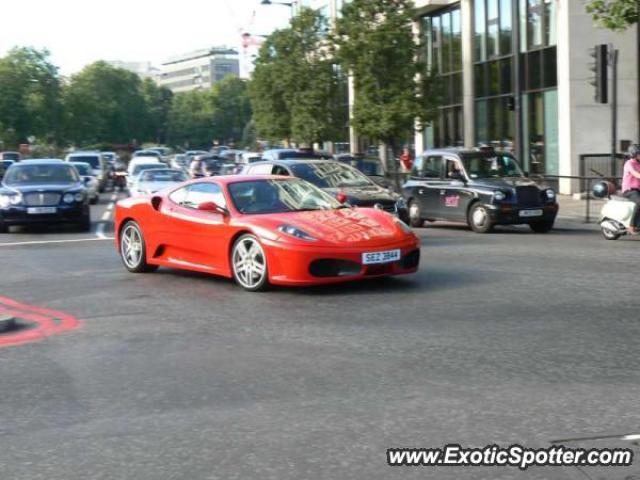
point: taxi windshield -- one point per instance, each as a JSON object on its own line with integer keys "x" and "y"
{"x": 482, "y": 165}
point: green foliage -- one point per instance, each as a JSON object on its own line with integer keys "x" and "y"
{"x": 616, "y": 15}
{"x": 373, "y": 40}
{"x": 105, "y": 103}
{"x": 158, "y": 102}
{"x": 231, "y": 109}
{"x": 29, "y": 97}
{"x": 191, "y": 119}
{"x": 294, "y": 91}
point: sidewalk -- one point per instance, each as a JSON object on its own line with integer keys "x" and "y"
{"x": 574, "y": 210}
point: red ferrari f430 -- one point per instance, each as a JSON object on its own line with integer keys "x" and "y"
{"x": 262, "y": 230}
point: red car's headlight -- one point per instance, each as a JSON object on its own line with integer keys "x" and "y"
{"x": 295, "y": 232}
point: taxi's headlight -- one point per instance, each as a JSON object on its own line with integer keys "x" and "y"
{"x": 295, "y": 232}
{"x": 499, "y": 196}
{"x": 551, "y": 195}
{"x": 6, "y": 200}
{"x": 401, "y": 204}
{"x": 67, "y": 198}
{"x": 78, "y": 197}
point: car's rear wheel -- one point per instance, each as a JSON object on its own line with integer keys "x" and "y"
{"x": 249, "y": 263}
{"x": 479, "y": 219}
{"x": 541, "y": 227}
{"x": 415, "y": 214}
{"x": 133, "y": 250}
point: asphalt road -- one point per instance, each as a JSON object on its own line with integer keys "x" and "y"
{"x": 505, "y": 338}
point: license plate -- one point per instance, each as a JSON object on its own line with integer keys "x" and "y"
{"x": 531, "y": 213}
{"x": 38, "y": 210}
{"x": 369, "y": 258}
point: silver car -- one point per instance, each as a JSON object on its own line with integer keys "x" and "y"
{"x": 153, "y": 180}
{"x": 90, "y": 180}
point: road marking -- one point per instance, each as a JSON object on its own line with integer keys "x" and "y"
{"x": 100, "y": 231}
{"x": 45, "y": 242}
{"x": 114, "y": 197}
{"x": 106, "y": 215}
{"x": 110, "y": 207}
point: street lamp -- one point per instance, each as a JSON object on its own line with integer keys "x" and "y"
{"x": 285, "y": 4}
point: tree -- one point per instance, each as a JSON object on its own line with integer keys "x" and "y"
{"x": 294, "y": 91}
{"x": 616, "y": 15}
{"x": 374, "y": 41}
{"x": 29, "y": 97}
{"x": 191, "y": 119}
{"x": 231, "y": 108}
{"x": 105, "y": 104}
{"x": 158, "y": 102}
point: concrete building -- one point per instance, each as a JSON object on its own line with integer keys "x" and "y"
{"x": 199, "y": 69}
{"x": 517, "y": 76}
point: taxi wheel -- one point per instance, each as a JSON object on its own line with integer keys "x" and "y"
{"x": 541, "y": 227}
{"x": 479, "y": 219}
{"x": 415, "y": 215}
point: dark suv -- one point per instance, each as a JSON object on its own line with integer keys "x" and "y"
{"x": 481, "y": 187}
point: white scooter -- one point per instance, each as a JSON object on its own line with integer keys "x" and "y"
{"x": 616, "y": 215}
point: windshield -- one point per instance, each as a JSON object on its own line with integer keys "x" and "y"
{"x": 83, "y": 169}
{"x": 491, "y": 166}
{"x": 21, "y": 174}
{"x": 92, "y": 160}
{"x": 277, "y": 196}
{"x": 162, "y": 176}
{"x": 330, "y": 175}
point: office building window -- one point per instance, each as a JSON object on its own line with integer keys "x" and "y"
{"x": 442, "y": 55}
{"x": 492, "y": 29}
{"x": 538, "y": 18}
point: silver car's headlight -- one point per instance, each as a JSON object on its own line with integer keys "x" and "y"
{"x": 295, "y": 232}
{"x": 67, "y": 198}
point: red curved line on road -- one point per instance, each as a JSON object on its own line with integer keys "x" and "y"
{"x": 49, "y": 322}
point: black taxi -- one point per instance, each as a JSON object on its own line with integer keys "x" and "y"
{"x": 481, "y": 187}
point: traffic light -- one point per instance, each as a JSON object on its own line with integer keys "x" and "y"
{"x": 599, "y": 69}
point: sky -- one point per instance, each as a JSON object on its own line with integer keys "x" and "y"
{"x": 79, "y": 32}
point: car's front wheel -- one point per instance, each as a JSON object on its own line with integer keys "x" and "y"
{"x": 415, "y": 214}
{"x": 479, "y": 219}
{"x": 133, "y": 250}
{"x": 249, "y": 263}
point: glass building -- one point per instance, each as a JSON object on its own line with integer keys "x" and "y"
{"x": 516, "y": 76}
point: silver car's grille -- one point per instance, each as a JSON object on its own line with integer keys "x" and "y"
{"x": 41, "y": 199}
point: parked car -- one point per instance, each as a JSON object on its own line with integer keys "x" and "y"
{"x": 90, "y": 180}
{"x": 178, "y": 161}
{"x": 260, "y": 230}
{"x": 45, "y": 191}
{"x": 337, "y": 179}
{"x": 98, "y": 164}
{"x": 293, "y": 153}
{"x": 111, "y": 157}
{"x": 480, "y": 187}
{"x": 143, "y": 159}
{"x": 370, "y": 166}
{"x": 212, "y": 165}
{"x": 250, "y": 157}
{"x": 152, "y": 180}
{"x": 4, "y": 165}
{"x": 9, "y": 155}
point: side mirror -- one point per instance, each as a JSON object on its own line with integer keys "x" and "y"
{"x": 212, "y": 207}
{"x": 155, "y": 202}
